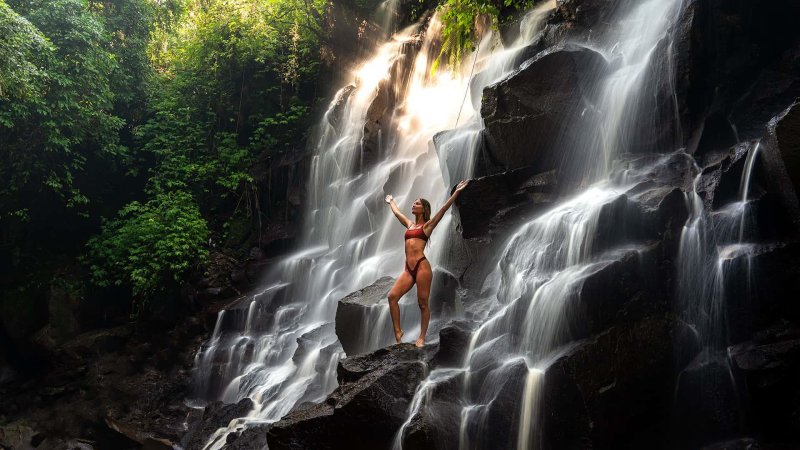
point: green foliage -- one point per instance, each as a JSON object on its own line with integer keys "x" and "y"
{"x": 22, "y": 49}
{"x": 149, "y": 246}
{"x": 49, "y": 137}
{"x": 458, "y": 19}
{"x": 155, "y": 110}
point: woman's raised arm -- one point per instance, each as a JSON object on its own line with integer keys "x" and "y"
{"x": 403, "y": 219}
{"x": 431, "y": 224}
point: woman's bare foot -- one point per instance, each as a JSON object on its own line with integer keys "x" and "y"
{"x": 398, "y": 336}
{"x": 420, "y": 342}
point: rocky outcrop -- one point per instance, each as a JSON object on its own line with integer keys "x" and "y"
{"x": 352, "y": 311}
{"x": 215, "y": 415}
{"x": 782, "y": 161}
{"x": 610, "y": 390}
{"x": 365, "y": 411}
{"x": 534, "y": 102}
{"x": 769, "y": 364}
{"x": 495, "y": 204}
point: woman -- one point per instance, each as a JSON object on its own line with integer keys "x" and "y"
{"x": 418, "y": 269}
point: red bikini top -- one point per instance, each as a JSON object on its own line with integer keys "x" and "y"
{"x": 416, "y": 232}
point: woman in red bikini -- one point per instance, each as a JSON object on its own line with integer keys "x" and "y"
{"x": 418, "y": 269}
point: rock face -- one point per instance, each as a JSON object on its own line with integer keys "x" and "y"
{"x": 769, "y": 364}
{"x": 216, "y": 415}
{"x": 782, "y": 160}
{"x": 533, "y": 102}
{"x": 367, "y": 408}
{"x": 493, "y": 204}
{"x": 353, "y": 309}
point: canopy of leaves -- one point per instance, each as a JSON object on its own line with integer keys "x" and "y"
{"x": 458, "y": 19}
{"x": 149, "y": 246}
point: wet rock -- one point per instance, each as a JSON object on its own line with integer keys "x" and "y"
{"x": 216, "y": 415}
{"x": 736, "y": 61}
{"x": 782, "y": 161}
{"x": 735, "y": 444}
{"x": 496, "y": 203}
{"x": 16, "y": 435}
{"x": 335, "y": 115}
{"x": 377, "y": 129}
{"x": 433, "y": 425}
{"x": 533, "y": 102}
{"x": 454, "y": 341}
{"x": 253, "y": 437}
{"x": 588, "y": 13}
{"x": 770, "y": 364}
{"x": 721, "y": 176}
{"x": 605, "y": 391}
{"x": 761, "y": 284}
{"x": 708, "y": 405}
{"x": 374, "y": 389}
{"x": 352, "y": 310}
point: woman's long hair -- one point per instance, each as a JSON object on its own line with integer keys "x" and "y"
{"x": 426, "y": 209}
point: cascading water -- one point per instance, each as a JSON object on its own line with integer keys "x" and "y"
{"x": 713, "y": 249}
{"x": 279, "y": 347}
{"x": 541, "y": 269}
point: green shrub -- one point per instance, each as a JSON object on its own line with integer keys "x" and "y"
{"x": 150, "y": 246}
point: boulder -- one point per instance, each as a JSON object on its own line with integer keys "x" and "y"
{"x": 495, "y": 204}
{"x": 253, "y": 437}
{"x": 736, "y": 65}
{"x": 352, "y": 311}
{"x": 770, "y": 366}
{"x": 533, "y": 102}
{"x": 377, "y": 129}
{"x": 454, "y": 341}
{"x": 782, "y": 161}
{"x": 606, "y": 391}
{"x": 435, "y": 424}
{"x": 708, "y": 406}
{"x": 335, "y": 114}
{"x": 216, "y": 415}
{"x": 371, "y": 403}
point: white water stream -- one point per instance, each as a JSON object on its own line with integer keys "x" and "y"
{"x": 279, "y": 348}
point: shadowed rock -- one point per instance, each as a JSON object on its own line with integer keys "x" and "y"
{"x": 770, "y": 364}
{"x": 354, "y": 308}
{"x": 365, "y": 411}
{"x": 496, "y": 203}
{"x": 782, "y": 160}
{"x": 534, "y": 102}
{"x": 216, "y": 415}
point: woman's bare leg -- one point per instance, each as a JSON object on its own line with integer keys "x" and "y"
{"x": 401, "y": 286}
{"x": 424, "y": 278}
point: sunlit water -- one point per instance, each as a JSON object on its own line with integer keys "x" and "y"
{"x": 279, "y": 347}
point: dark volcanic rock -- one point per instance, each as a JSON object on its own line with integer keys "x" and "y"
{"x": 353, "y": 309}
{"x": 782, "y": 160}
{"x": 533, "y": 102}
{"x": 605, "y": 391}
{"x": 496, "y": 203}
{"x": 251, "y": 438}
{"x": 216, "y": 415}
{"x": 367, "y": 408}
{"x": 433, "y": 425}
{"x": 453, "y": 344}
{"x": 707, "y": 402}
{"x": 770, "y": 364}
{"x": 375, "y": 142}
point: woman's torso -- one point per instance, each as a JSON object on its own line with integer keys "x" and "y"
{"x": 415, "y": 246}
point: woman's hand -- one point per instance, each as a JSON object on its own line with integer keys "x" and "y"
{"x": 462, "y": 185}
{"x": 389, "y": 199}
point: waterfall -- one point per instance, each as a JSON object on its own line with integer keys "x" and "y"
{"x": 278, "y": 347}
{"x": 541, "y": 268}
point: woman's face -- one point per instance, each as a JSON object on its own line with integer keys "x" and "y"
{"x": 416, "y": 207}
